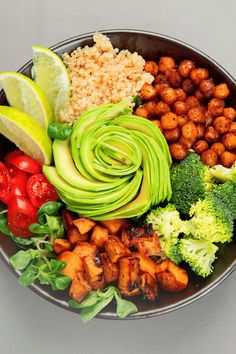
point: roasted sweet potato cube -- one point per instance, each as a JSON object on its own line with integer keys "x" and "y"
{"x": 149, "y": 286}
{"x": 68, "y": 218}
{"x": 116, "y": 249}
{"x": 74, "y": 236}
{"x": 74, "y": 263}
{"x": 61, "y": 245}
{"x": 115, "y": 226}
{"x": 149, "y": 246}
{"x": 111, "y": 270}
{"x": 129, "y": 276}
{"x": 171, "y": 277}
{"x": 99, "y": 236}
{"x": 79, "y": 287}
{"x": 146, "y": 264}
{"x": 133, "y": 234}
{"x": 84, "y": 225}
{"x": 93, "y": 268}
{"x": 83, "y": 249}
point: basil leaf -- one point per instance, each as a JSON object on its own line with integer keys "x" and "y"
{"x": 28, "y": 276}
{"x": 61, "y": 282}
{"x": 22, "y": 259}
{"x": 22, "y": 242}
{"x": 39, "y": 229}
{"x": 88, "y": 313}
{"x": 124, "y": 308}
{"x": 90, "y": 300}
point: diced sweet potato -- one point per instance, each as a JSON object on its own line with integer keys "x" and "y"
{"x": 84, "y": 225}
{"x": 79, "y": 287}
{"x": 93, "y": 268}
{"x": 133, "y": 234}
{"x": 149, "y": 246}
{"x": 129, "y": 276}
{"x": 83, "y": 249}
{"x": 171, "y": 277}
{"x": 116, "y": 249}
{"x": 149, "y": 286}
{"x": 99, "y": 236}
{"x": 146, "y": 264}
{"x": 115, "y": 226}
{"x": 74, "y": 236}
{"x": 74, "y": 263}
{"x": 111, "y": 270}
{"x": 61, "y": 245}
{"x": 68, "y": 218}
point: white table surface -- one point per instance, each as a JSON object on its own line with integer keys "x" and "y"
{"x": 29, "y": 324}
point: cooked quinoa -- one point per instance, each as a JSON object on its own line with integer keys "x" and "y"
{"x": 101, "y": 74}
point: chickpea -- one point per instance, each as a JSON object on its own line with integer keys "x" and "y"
{"x": 232, "y": 128}
{"x": 185, "y": 67}
{"x": 192, "y": 102}
{"x": 209, "y": 118}
{"x": 148, "y": 92}
{"x": 169, "y": 121}
{"x": 188, "y": 86}
{"x": 166, "y": 63}
{"x": 142, "y": 112}
{"x": 221, "y": 124}
{"x": 196, "y": 115}
{"x": 182, "y": 120}
{"x": 209, "y": 157}
{"x": 200, "y": 131}
{"x": 189, "y": 131}
{"x": 161, "y": 79}
{"x": 162, "y": 108}
{"x": 221, "y": 91}
{"x": 151, "y": 108}
{"x": 168, "y": 95}
{"x": 218, "y": 148}
{"x": 160, "y": 87}
{"x": 172, "y": 135}
{"x": 229, "y": 113}
{"x": 178, "y": 151}
{"x": 180, "y": 107}
{"x": 174, "y": 77}
{"x": 229, "y": 141}
{"x": 216, "y": 106}
{"x": 199, "y": 74}
{"x": 199, "y": 95}
{"x": 228, "y": 159}
{"x": 180, "y": 94}
{"x": 151, "y": 67}
{"x": 200, "y": 146}
{"x": 211, "y": 135}
{"x": 158, "y": 124}
{"x": 207, "y": 88}
{"x": 186, "y": 142}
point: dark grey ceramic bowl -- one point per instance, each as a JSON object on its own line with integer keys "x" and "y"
{"x": 150, "y": 46}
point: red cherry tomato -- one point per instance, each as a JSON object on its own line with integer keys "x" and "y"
{"x": 11, "y": 155}
{"x": 40, "y": 190}
{"x": 26, "y": 163}
{"x": 18, "y": 181}
{"x": 4, "y": 181}
{"x": 21, "y": 214}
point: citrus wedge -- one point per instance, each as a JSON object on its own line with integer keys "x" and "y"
{"x": 24, "y": 132}
{"x": 24, "y": 94}
{"x": 52, "y": 77}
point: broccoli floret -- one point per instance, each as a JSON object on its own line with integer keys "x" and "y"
{"x": 211, "y": 220}
{"x": 224, "y": 174}
{"x": 191, "y": 180}
{"x": 226, "y": 193}
{"x": 170, "y": 249}
{"x": 199, "y": 254}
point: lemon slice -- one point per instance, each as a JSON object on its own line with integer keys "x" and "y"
{"x": 52, "y": 77}
{"x": 24, "y": 94}
{"x": 24, "y": 132}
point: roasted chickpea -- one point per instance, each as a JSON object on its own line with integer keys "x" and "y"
{"x": 186, "y": 142}
{"x": 188, "y": 86}
{"x": 168, "y": 95}
{"x": 174, "y": 77}
{"x": 199, "y": 95}
{"x": 180, "y": 107}
{"x": 166, "y": 63}
{"x": 196, "y": 115}
{"x": 161, "y": 79}
{"x": 172, "y": 135}
{"x": 218, "y": 148}
{"x": 178, "y": 151}
{"x": 142, "y": 112}
{"x": 185, "y": 67}
{"x": 232, "y": 128}
{"x": 160, "y": 87}
{"x": 162, "y": 108}
{"x": 180, "y": 94}
{"x": 229, "y": 141}
{"x": 229, "y": 113}
{"x": 207, "y": 87}
{"x": 221, "y": 124}
{"x": 216, "y": 106}
{"x": 209, "y": 157}
{"x": 228, "y": 159}
{"x": 189, "y": 131}
{"x": 200, "y": 131}
{"x": 151, "y": 108}
{"x": 209, "y": 118}
{"x": 199, "y": 74}
{"x": 158, "y": 124}
{"x": 148, "y": 92}
{"x": 221, "y": 91}
{"x": 211, "y": 135}
{"x": 192, "y": 102}
{"x": 200, "y": 146}
{"x": 169, "y": 121}
{"x": 182, "y": 120}
{"x": 151, "y": 67}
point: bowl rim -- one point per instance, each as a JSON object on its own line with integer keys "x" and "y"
{"x": 39, "y": 290}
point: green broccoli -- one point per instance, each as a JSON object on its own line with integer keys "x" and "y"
{"x": 224, "y": 174}
{"x": 191, "y": 180}
{"x": 226, "y": 193}
{"x": 199, "y": 254}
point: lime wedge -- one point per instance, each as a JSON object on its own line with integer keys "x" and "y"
{"x": 24, "y": 132}
{"x": 24, "y": 94}
{"x": 52, "y": 77}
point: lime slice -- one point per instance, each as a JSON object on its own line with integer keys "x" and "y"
{"x": 24, "y": 132}
{"x": 52, "y": 77}
{"x": 24, "y": 94}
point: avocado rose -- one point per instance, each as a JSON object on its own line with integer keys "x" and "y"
{"x": 114, "y": 165}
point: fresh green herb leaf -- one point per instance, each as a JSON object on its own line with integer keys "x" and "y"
{"x": 56, "y": 265}
{"x": 22, "y": 242}
{"x": 49, "y": 208}
{"x": 28, "y": 276}
{"x": 3, "y": 225}
{"x": 124, "y": 308}
{"x": 61, "y": 282}
{"x": 22, "y": 258}
{"x": 89, "y": 301}
{"x": 137, "y": 101}
{"x": 86, "y": 314}
{"x": 60, "y": 131}
{"x": 39, "y": 229}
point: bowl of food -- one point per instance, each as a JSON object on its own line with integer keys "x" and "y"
{"x": 118, "y": 174}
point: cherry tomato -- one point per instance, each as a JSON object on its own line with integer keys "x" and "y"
{"x": 21, "y": 214}
{"x": 26, "y": 164}
{"x": 18, "y": 181}
{"x": 40, "y": 190}
{"x": 4, "y": 181}
{"x": 11, "y": 155}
